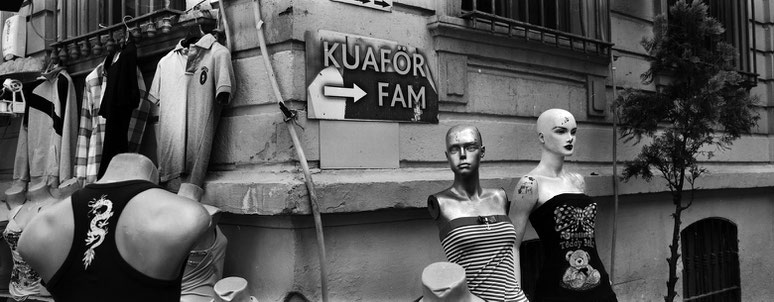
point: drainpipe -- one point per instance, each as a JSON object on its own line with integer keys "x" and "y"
{"x": 224, "y": 20}
{"x": 290, "y": 121}
{"x": 613, "y": 58}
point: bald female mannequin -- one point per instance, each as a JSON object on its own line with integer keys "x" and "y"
{"x": 572, "y": 270}
{"x": 465, "y": 213}
{"x": 556, "y": 133}
{"x": 153, "y": 233}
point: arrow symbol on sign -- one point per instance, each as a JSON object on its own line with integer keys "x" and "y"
{"x": 343, "y": 92}
{"x": 363, "y": 1}
{"x": 381, "y": 3}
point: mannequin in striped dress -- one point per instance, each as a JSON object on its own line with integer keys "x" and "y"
{"x": 475, "y": 229}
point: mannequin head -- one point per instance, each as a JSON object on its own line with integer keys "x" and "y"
{"x": 445, "y": 281}
{"x": 464, "y": 149}
{"x": 556, "y": 132}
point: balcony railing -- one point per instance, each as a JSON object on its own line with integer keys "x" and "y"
{"x": 576, "y": 25}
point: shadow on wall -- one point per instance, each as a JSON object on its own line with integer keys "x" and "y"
{"x": 295, "y": 297}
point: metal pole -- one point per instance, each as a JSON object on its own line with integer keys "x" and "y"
{"x": 613, "y": 58}
{"x": 299, "y": 152}
{"x": 226, "y": 28}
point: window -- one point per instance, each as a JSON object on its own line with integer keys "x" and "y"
{"x": 710, "y": 261}
{"x": 531, "y": 260}
{"x": 581, "y": 25}
{"x": 735, "y": 17}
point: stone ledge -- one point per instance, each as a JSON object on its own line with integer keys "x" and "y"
{"x": 283, "y": 192}
{"x": 346, "y": 191}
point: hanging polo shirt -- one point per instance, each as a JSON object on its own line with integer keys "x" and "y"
{"x": 47, "y": 138}
{"x": 169, "y": 92}
{"x": 185, "y": 86}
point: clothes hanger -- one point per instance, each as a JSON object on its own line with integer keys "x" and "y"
{"x": 192, "y": 36}
{"x": 121, "y": 44}
{"x": 128, "y": 33}
{"x": 49, "y": 66}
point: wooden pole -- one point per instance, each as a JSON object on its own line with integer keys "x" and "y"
{"x": 299, "y": 152}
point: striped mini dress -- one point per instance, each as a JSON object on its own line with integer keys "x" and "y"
{"x": 483, "y": 245}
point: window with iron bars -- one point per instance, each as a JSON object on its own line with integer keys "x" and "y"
{"x": 582, "y": 25}
{"x": 710, "y": 261}
{"x": 736, "y": 18}
{"x": 80, "y": 17}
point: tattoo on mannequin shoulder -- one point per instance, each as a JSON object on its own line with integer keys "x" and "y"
{"x": 527, "y": 183}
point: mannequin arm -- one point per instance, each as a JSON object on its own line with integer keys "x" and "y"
{"x": 525, "y": 198}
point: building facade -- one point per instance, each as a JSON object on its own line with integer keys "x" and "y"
{"x": 493, "y": 64}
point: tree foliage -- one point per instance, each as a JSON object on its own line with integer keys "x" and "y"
{"x": 704, "y": 101}
{"x": 699, "y": 101}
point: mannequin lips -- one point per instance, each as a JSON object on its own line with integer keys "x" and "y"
{"x": 568, "y": 147}
{"x": 463, "y": 166}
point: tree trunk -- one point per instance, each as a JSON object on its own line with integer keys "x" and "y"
{"x": 673, "y": 248}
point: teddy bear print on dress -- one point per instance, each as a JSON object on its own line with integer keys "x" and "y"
{"x": 580, "y": 275}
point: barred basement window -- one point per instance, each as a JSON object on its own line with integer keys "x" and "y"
{"x": 711, "y": 261}
{"x": 531, "y": 260}
{"x": 581, "y": 25}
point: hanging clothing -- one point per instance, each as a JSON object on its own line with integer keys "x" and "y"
{"x": 572, "y": 270}
{"x": 124, "y": 98}
{"x": 48, "y": 136}
{"x": 185, "y": 87}
{"x": 203, "y": 269}
{"x": 91, "y": 132}
{"x": 95, "y": 270}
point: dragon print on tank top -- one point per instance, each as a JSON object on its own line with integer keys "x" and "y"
{"x": 100, "y": 211}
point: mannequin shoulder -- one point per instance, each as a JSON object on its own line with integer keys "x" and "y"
{"x": 497, "y": 195}
{"x": 436, "y": 202}
{"x": 166, "y": 214}
{"x": 525, "y": 194}
{"x": 51, "y": 219}
{"x": 527, "y": 187}
{"x": 52, "y": 228}
{"x": 577, "y": 180}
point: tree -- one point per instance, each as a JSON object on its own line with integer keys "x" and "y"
{"x": 703, "y": 103}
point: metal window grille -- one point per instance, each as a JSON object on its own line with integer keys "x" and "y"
{"x": 531, "y": 260}
{"x": 582, "y": 25}
{"x": 737, "y": 18}
{"x": 711, "y": 261}
{"x": 80, "y": 17}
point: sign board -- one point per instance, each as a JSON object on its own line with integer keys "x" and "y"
{"x": 385, "y": 5}
{"x": 353, "y": 77}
